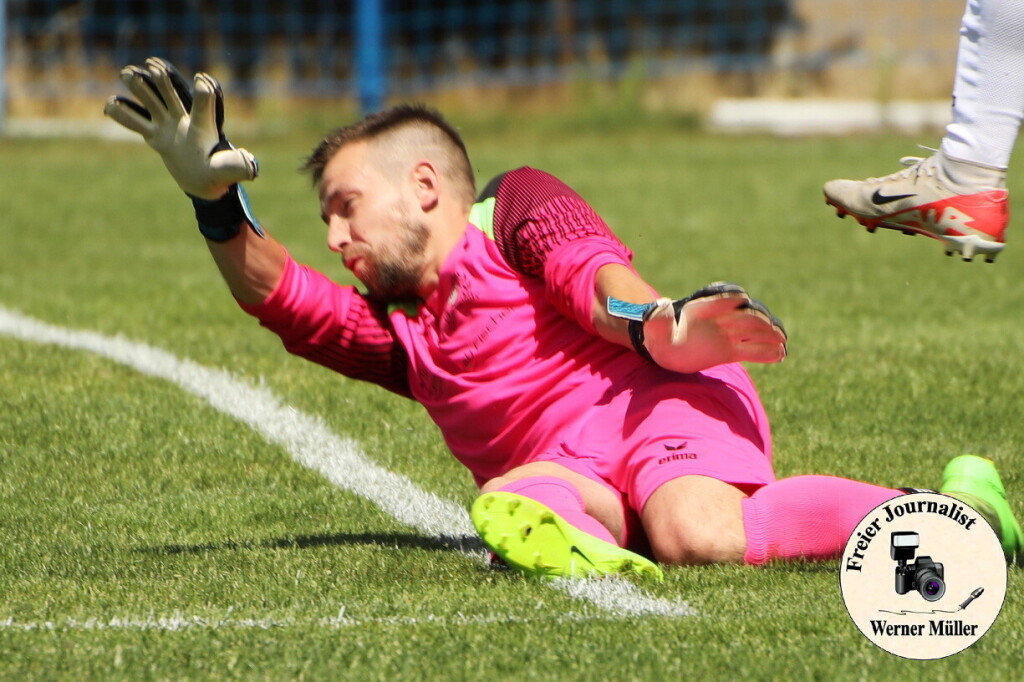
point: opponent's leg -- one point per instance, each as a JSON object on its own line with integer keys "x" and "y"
{"x": 988, "y": 93}
{"x": 958, "y": 195}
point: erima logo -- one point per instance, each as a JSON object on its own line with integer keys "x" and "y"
{"x": 673, "y": 448}
{"x": 878, "y": 198}
{"x": 677, "y": 457}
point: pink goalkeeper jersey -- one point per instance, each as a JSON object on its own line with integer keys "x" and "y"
{"x": 502, "y": 354}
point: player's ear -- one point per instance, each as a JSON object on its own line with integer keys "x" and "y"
{"x": 427, "y": 184}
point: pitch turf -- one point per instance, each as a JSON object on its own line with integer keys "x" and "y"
{"x": 147, "y": 534}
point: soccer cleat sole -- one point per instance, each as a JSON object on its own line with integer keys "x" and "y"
{"x": 531, "y": 538}
{"x": 968, "y": 246}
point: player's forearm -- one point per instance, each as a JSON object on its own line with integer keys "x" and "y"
{"x": 250, "y": 264}
{"x": 624, "y": 284}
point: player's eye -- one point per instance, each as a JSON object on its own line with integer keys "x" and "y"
{"x": 340, "y": 206}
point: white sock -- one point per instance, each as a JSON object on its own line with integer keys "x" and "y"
{"x": 988, "y": 95}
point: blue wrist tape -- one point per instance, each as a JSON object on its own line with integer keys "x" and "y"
{"x": 635, "y": 313}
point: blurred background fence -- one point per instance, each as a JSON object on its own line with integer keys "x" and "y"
{"x": 59, "y": 57}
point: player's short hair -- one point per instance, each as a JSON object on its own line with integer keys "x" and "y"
{"x": 405, "y": 129}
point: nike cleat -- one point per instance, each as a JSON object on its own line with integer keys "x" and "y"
{"x": 532, "y": 539}
{"x": 963, "y": 205}
{"x": 974, "y": 480}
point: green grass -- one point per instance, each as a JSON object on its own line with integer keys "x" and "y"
{"x": 125, "y": 499}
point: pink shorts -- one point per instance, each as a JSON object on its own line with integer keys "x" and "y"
{"x": 709, "y": 424}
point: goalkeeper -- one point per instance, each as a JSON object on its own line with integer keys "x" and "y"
{"x": 605, "y": 425}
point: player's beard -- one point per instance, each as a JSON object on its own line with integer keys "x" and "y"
{"x": 395, "y": 271}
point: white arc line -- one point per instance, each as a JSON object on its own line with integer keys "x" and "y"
{"x": 310, "y": 443}
{"x": 306, "y": 438}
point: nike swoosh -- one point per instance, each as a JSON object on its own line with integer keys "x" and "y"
{"x": 576, "y": 550}
{"x": 878, "y": 198}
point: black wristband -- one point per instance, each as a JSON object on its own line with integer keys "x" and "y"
{"x": 636, "y": 337}
{"x": 222, "y": 219}
{"x": 637, "y": 314}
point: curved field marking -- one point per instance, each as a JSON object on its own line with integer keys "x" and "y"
{"x": 310, "y": 443}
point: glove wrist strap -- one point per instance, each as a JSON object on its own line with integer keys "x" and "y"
{"x": 221, "y": 219}
{"x": 636, "y": 337}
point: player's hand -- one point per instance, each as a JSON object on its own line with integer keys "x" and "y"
{"x": 717, "y": 324}
{"x": 186, "y": 130}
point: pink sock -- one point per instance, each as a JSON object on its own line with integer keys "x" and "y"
{"x": 807, "y": 516}
{"x": 562, "y": 498}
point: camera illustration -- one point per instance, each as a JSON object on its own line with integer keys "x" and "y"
{"x": 923, "y": 575}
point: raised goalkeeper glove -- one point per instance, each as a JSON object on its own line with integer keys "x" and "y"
{"x": 188, "y": 133}
{"x": 716, "y": 324}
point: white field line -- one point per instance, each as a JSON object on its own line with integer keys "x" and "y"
{"x": 316, "y": 447}
{"x": 179, "y": 622}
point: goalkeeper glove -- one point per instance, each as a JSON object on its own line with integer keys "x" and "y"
{"x": 187, "y": 132}
{"x": 715, "y": 325}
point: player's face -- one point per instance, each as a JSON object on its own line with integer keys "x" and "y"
{"x": 370, "y": 224}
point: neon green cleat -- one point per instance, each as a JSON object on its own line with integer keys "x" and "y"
{"x": 531, "y": 538}
{"x": 974, "y": 480}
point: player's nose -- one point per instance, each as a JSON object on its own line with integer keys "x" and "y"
{"x": 338, "y": 234}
